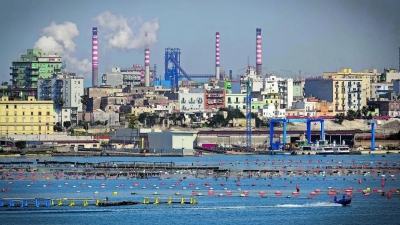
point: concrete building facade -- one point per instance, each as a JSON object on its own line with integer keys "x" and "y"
{"x": 29, "y": 68}
{"x": 191, "y": 100}
{"x": 65, "y": 86}
{"x": 26, "y": 116}
{"x": 172, "y": 142}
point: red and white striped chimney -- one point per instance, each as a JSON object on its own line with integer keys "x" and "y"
{"x": 217, "y": 56}
{"x": 147, "y": 67}
{"x": 258, "y": 52}
{"x": 95, "y": 69}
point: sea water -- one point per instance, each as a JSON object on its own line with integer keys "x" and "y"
{"x": 234, "y": 209}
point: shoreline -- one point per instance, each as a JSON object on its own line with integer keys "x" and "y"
{"x": 362, "y": 152}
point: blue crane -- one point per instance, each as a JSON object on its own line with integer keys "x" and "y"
{"x": 285, "y": 121}
{"x": 248, "y": 112}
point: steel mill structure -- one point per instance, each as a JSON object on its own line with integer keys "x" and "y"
{"x": 258, "y": 52}
{"x": 217, "y": 65}
{"x": 147, "y": 67}
{"x": 95, "y": 65}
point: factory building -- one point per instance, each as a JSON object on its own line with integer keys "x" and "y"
{"x": 170, "y": 142}
{"x": 133, "y": 76}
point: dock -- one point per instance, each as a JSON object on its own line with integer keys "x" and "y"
{"x": 42, "y": 202}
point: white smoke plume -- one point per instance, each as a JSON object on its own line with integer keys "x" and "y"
{"x": 59, "y": 38}
{"x": 121, "y": 34}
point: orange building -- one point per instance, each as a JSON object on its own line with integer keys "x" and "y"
{"x": 324, "y": 108}
{"x": 214, "y": 98}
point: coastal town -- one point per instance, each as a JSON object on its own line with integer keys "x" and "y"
{"x": 132, "y": 110}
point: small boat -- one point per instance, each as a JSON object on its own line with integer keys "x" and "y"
{"x": 343, "y": 201}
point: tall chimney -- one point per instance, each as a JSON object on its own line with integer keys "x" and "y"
{"x": 258, "y": 51}
{"x": 217, "y": 55}
{"x": 147, "y": 67}
{"x": 95, "y": 69}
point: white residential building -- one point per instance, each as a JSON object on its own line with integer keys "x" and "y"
{"x": 282, "y": 86}
{"x": 63, "y": 85}
{"x": 65, "y": 114}
{"x": 272, "y": 112}
{"x": 308, "y": 107}
{"x": 191, "y": 100}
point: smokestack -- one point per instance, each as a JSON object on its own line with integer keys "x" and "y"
{"x": 217, "y": 55}
{"x": 147, "y": 67}
{"x": 258, "y": 51}
{"x": 95, "y": 69}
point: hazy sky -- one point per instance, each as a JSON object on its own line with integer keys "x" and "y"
{"x": 309, "y": 35}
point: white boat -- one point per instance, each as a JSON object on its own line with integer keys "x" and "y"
{"x": 322, "y": 148}
{"x": 341, "y": 149}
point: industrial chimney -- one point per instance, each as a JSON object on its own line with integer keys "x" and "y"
{"x": 217, "y": 56}
{"x": 258, "y": 52}
{"x": 147, "y": 67}
{"x": 95, "y": 69}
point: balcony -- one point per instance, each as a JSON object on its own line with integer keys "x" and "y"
{"x": 183, "y": 101}
{"x": 74, "y": 112}
{"x": 192, "y": 101}
{"x": 215, "y": 95}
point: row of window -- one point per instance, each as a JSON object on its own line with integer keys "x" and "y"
{"x": 31, "y": 106}
{"x": 32, "y": 120}
{"x": 23, "y": 113}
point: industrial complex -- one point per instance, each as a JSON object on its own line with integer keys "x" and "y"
{"x": 134, "y": 109}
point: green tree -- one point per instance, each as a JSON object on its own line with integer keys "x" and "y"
{"x": 84, "y": 101}
{"x": 60, "y": 102}
{"x": 364, "y": 111}
{"x": 339, "y": 118}
{"x": 67, "y": 124}
{"x": 57, "y": 127}
{"x": 133, "y": 121}
{"x": 217, "y": 121}
{"x": 351, "y": 114}
{"x": 257, "y": 119}
{"x": 20, "y": 144}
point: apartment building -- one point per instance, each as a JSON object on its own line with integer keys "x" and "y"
{"x": 62, "y": 86}
{"x": 29, "y": 116}
{"x": 192, "y": 100}
{"x": 214, "y": 98}
{"x": 345, "y": 91}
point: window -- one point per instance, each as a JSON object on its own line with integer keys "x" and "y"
{"x": 6, "y": 106}
{"x": 23, "y": 106}
{"x": 40, "y": 113}
{"x": 48, "y": 114}
{"x": 31, "y": 113}
{"x": 39, "y": 106}
{"x": 15, "y": 106}
{"x": 31, "y": 105}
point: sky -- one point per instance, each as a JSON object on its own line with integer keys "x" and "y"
{"x": 313, "y": 36}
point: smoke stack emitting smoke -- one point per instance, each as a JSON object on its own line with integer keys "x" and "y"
{"x": 147, "y": 67}
{"x": 258, "y": 52}
{"x": 217, "y": 65}
{"x": 95, "y": 69}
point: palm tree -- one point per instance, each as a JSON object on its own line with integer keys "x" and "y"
{"x": 60, "y": 102}
{"x": 84, "y": 101}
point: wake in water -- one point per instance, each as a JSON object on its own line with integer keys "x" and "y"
{"x": 316, "y": 204}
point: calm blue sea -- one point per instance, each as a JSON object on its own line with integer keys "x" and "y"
{"x": 373, "y": 209}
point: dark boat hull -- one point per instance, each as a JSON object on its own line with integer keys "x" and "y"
{"x": 343, "y": 202}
